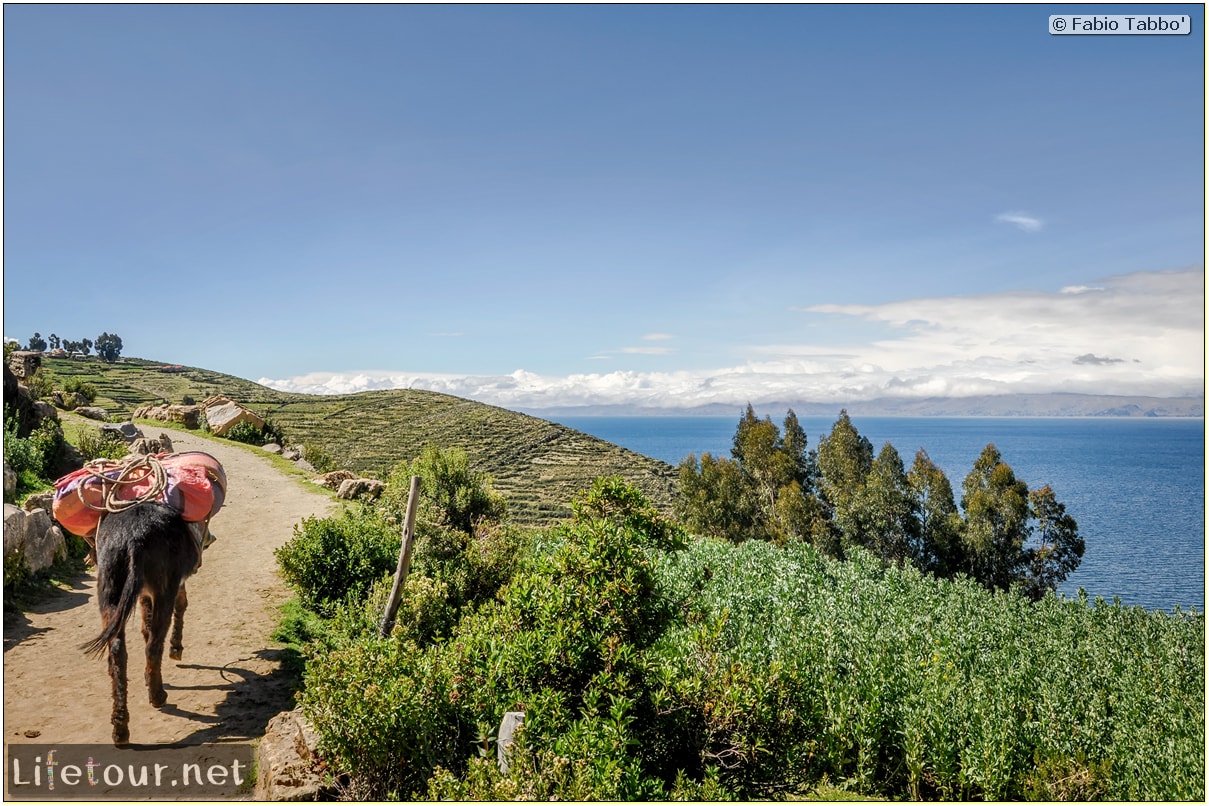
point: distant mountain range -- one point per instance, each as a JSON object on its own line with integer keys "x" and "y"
{"x": 1021, "y": 405}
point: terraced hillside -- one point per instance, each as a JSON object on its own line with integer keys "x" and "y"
{"x": 537, "y": 465}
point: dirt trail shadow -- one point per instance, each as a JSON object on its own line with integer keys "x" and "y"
{"x": 252, "y": 700}
{"x": 17, "y": 624}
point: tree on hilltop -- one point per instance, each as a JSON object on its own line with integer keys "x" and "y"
{"x": 109, "y": 346}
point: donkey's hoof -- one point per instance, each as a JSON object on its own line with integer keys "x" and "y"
{"x": 176, "y": 652}
{"x": 121, "y": 735}
{"x": 158, "y": 698}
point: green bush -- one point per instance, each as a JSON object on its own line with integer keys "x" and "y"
{"x": 246, "y": 432}
{"x": 334, "y": 559}
{"x": 34, "y": 458}
{"x": 74, "y": 385}
{"x": 17, "y": 577}
{"x": 563, "y": 641}
{"x": 318, "y": 458}
{"x": 93, "y": 443}
{"x": 41, "y": 384}
{"x": 451, "y": 493}
{"x": 20, "y": 453}
{"x": 272, "y": 433}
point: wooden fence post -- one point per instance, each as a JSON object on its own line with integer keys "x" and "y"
{"x": 396, "y": 591}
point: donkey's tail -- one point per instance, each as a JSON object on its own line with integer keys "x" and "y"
{"x": 119, "y": 583}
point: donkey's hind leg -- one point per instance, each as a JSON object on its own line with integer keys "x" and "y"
{"x": 117, "y": 681}
{"x": 157, "y": 616}
{"x": 177, "y": 648}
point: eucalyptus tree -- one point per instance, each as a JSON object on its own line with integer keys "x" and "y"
{"x": 938, "y": 550}
{"x": 1014, "y": 538}
{"x": 765, "y": 491}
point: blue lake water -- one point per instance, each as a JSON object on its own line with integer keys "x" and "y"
{"x": 1136, "y": 486}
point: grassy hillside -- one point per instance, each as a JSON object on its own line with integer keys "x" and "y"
{"x": 537, "y": 465}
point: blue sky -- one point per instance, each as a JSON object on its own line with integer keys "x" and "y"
{"x": 668, "y": 205}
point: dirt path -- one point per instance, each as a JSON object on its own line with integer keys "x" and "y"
{"x": 229, "y": 683}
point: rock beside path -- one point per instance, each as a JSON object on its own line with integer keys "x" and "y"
{"x": 287, "y": 761}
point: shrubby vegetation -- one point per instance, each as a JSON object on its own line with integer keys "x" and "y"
{"x": 251, "y": 434}
{"x": 77, "y": 386}
{"x": 93, "y": 443}
{"x": 653, "y": 665}
{"x": 334, "y": 560}
{"x": 32, "y": 455}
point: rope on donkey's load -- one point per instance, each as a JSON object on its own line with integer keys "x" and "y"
{"x": 132, "y": 471}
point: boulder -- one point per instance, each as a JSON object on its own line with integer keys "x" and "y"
{"x": 24, "y": 363}
{"x": 14, "y": 531}
{"x": 333, "y": 479}
{"x": 149, "y": 412}
{"x": 10, "y": 481}
{"x": 44, "y": 540}
{"x": 47, "y": 411}
{"x": 272, "y": 447}
{"x": 34, "y": 536}
{"x": 129, "y": 432}
{"x": 188, "y": 416}
{"x": 287, "y": 761}
{"x": 224, "y": 416}
{"x": 359, "y": 488}
{"x": 92, "y": 413}
{"x": 43, "y": 501}
{"x": 69, "y": 461}
{"x": 145, "y": 446}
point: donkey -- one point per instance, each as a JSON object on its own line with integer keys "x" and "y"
{"x": 144, "y": 554}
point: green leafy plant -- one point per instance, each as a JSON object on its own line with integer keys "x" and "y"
{"x": 452, "y": 493}
{"x": 74, "y": 385}
{"x": 36, "y": 457}
{"x": 272, "y": 432}
{"x": 93, "y": 443}
{"x": 246, "y": 432}
{"x": 41, "y": 384}
{"x": 318, "y": 458}
{"x": 334, "y": 559}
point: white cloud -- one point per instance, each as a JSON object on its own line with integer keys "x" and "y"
{"x": 648, "y": 350}
{"x": 657, "y": 337}
{"x": 1140, "y": 334}
{"x": 1021, "y": 220}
